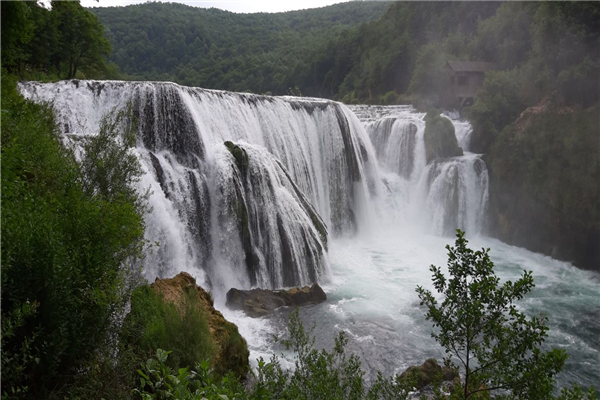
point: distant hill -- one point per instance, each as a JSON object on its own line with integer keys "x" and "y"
{"x": 212, "y": 48}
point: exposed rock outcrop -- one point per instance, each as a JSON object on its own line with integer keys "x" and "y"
{"x": 427, "y": 373}
{"x": 232, "y": 351}
{"x": 440, "y": 138}
{"x": 260, "y": 302}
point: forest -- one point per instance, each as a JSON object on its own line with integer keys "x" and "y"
{"x": 217, "y": 49}
{"x": 358, "y": 51}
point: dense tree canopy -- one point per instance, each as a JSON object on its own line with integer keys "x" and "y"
{"x": 359, "y": 51}
{"x": 218, "y": 49}
{"x": 58, "y": 42}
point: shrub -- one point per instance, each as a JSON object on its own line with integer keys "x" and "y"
{"x": 154, "y": 323}
{"x": 323, "y": 374}
{"x": 66, "y": 253}
{"x": 389, "y": 98}
{"x": 317, "y": 375}
{"x": 159, "y": 381}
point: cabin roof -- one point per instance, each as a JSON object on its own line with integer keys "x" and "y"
{"x": 470, "y": 66}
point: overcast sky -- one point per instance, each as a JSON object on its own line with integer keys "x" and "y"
{"x": 241, "y": 6}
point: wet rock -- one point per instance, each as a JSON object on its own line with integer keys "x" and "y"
{"x": 427, "y": 373}
{"x": 259, "y": 302}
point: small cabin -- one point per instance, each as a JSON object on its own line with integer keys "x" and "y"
{"x": 466, "y": 77}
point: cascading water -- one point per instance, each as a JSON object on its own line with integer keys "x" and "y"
{"x": 246, "y": 189}
{"x": 439, "y": 197}
{"x": 260, "y": 208}
{"x": 316, "y": 172}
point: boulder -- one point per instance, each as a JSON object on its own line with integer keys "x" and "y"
{"x": 440, "y": 138}
{"x": 259, "y": 302}
{"x": 426, "y": 374}
{"x": 232, "y": 351}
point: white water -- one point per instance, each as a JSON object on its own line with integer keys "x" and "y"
{"x": 388, "y": 221}
{"x": 372, "y": 297}
{"x": 320, "y": 144}
{"x": 437, "y": 198}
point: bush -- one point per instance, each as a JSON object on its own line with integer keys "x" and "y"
{"x": 323, "y": 374}
{"x": 154, "y": 323}
{"x": 389, "y": 98}
{"x": 66, "y": 253}
{"x": 157, "y": 380}
{"x": 317, "y": 375}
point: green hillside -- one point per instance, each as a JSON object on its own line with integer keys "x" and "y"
{"x": 218, "y": 49}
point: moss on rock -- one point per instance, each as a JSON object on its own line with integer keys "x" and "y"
{"x": 231, "y": 353}
{"x": 440, "y": 138}
{"x": 428, "y": 373}
{"x": 240, "y": 155}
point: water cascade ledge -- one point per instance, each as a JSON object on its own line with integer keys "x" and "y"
{"x": 313, "y": 171}
{"x": 436, "y": 195}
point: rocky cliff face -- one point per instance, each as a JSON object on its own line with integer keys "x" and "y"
{"x": 545, "y": 183}
{"x": 232, "y": 351}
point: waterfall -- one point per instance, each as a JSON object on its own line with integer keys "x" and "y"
{"x": 439, "y": 197}
{"x": 245, "y": 188}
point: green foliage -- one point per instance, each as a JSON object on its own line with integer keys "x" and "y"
{"x": 323, "y": 374}
{"x": 259, "y": 52}
{"x": 551, "y": 164}
{"x": 358, "y": 53}
{"x": 154, "y": 323}
{"x": 479, "y": 325}
{"x": 67, "y": 41}
{"x": 66, "y": 253}
{"x": 81, "y": 38}
{"x": 440, "y": 138}
{"x": 317, "y": 375}
{"x": 109, "y": 168}
{"x": 576, "y": 393}
{"x": 498, "y": 104}
{"x": 17, "y": 31}
{"x": 159, "y": 381}
{"x": 389, "y": 98}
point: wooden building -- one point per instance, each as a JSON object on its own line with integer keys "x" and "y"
{"x": 466, "y": 77}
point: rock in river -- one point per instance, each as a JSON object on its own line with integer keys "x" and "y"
{"x": 260, "y": 302}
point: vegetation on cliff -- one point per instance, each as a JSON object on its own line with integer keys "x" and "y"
{"x": 69, "y": 248}
{"x": 546, "y": 186}
{"x": 537, "y": 121}
{"x": 440, "y": 138}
